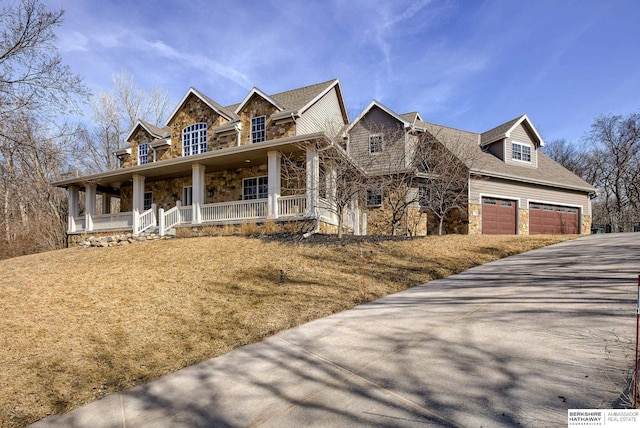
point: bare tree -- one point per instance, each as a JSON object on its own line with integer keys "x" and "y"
{"x": 116, "y": 112}
{"x": 35, "y": 88}
{"x": 616, "y": 157}
{"x": 341, "y": 181}
{"x": 444, "y": 158}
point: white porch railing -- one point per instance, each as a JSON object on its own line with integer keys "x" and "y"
{"x": 292, "y": 206}
{"x": 144, "y": 221}
{"x": 229, "y": 211}
{"x": 112, "y": 221}
{"x": 186, "y": 214}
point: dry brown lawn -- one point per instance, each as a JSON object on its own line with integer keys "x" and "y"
{"x": 78, "y": 324}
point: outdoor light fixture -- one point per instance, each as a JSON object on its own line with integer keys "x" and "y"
{"x": 174, "y": 197}
{"x": 210, "y": 193}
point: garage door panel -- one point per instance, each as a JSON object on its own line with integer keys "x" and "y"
{"x": 552, "y": 219}
{"x": 498, "y": 216}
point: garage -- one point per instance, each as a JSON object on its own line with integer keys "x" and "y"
{"x": 498, "y": 216}
{"x": 552, "y": 219}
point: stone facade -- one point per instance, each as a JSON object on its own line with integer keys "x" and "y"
{"x": 475, "y": 219}
{"x": 586, "y": 225}
{"x": 455, "y": 222}
{"x": 523, "y": 224}
{"x": 258, "y": 106}
{"x": 193, "y": 110}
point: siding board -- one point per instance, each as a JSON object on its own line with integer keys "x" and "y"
{"x": 528, "y": 192}
{"x": 324, "y": 115}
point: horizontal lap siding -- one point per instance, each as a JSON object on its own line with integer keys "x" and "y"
{"x": 324, "y": 115}
{"x": 528, "y": 192}
{"x": 520, "y": 135}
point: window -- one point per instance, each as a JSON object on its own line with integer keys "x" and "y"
{"x": 375, "y": 143}
{"x": 548, "y": 208}
{"x": 255, "y": 188}
{"x": 187, "y": 195}
{"x": 506, "y": 203}
{"x": 374, "y": 197}
{"x": 521, "y": 152}
{"x": 143, "y": 154}
{"x": 560, "y": 209}
{"x": 258, "y": 129}
{"x": 489, "y": 201}
{"x": 148, "y": 200}
{"x": 572, "y": 210}
{"x": 534, "y": 206}
{"x": 194, "y": 139}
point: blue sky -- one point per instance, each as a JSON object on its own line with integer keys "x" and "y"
{"x": 467, "y": 64}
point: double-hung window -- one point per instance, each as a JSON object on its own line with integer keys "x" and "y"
{"x": 147, "y": 201}
{"x": 194, "y": 139}
{"x": 520, "y": 152}
{"x": 375, "y": 143}
{"x": 255, "y": 188}
{"x": 258, "y": 127}
{"x": 143, "y": 154}
{"x": 374, "y": 197}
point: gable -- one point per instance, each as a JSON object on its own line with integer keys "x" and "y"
{"x": 255, "y": 92}
{"x": 324, "y": 115}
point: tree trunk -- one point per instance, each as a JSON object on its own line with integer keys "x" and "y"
{"x": 440, "y": 226}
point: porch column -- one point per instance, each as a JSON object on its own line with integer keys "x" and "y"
{"x": 197, "y": 181}
{"x": 138, "y": 193}
{"x": 90, "y": 205}
{"x": 313, "y": 177}
{"x": 106, "y": 203}
{"x": 331, "y": 184}
{"x": 274, "y": 165}
{"x": 73, "y": 199}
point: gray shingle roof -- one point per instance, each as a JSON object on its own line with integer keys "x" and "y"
{"x": 226, "y": 110}
{"x": 498, "y": 132}
{"x": 466, "y": 145}
{"x": 157, "y": 131}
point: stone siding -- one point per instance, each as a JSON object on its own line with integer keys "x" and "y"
{"x": 523, "y": 226}
{"x": 110, "y": 239}
{"x": 586, "y": 225}
{"x": 455, "y": 222}
{"x": 193, "y": 110}
{"x": 258, "y": 106}
{"x": 475, "y": 219}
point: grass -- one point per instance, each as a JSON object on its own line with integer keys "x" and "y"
{"x": 78, "y": 324}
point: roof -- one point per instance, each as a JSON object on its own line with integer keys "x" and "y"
{"x": 504, "y": 131}
{"x": 406, "y": 122}
{"x": 153, "y": 130}
{"x": 222, "y": 111}
{"x": 466, "y": 146}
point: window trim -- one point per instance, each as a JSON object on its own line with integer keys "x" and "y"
{"x": 521, "y": 152}
{"x": 258, "y": 186}
{"x": 257, "y": 133}
{"x": 377, "y": 193}
{"x": 372, "y": 137}
{"x": 140, "y": 154}
{"x": 198, "y": 132}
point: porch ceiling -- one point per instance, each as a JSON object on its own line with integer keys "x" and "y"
{"x": 218, "y": 160}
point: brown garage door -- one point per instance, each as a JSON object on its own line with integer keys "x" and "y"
{"x": 498, "y": 216}
{"x": 552, "y": 219}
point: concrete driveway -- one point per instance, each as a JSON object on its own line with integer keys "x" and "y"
{"x": 514, "y": 342}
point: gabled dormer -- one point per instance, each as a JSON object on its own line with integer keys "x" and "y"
{"x": 147, "y": 143}
{"x": 515, "y": 142}
{"x": 378, "y": 138}
{"x": 192, "y": 123}
{"x": 256, "y": 113}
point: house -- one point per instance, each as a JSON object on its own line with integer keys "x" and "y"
{"x": 511, "y": 186}
{"x": 215, "y": 165}
{"x": 262, "y": 160}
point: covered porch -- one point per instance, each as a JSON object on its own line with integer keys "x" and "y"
{"x": 276, "y": 202}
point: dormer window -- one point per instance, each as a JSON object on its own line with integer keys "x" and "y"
{"x": 143, "y": 154}
{"x": 194, "y": 139}
{"x": 258, "y": 129}
{"x": 375, "y": 143}
{"x": 521, "y": 152}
